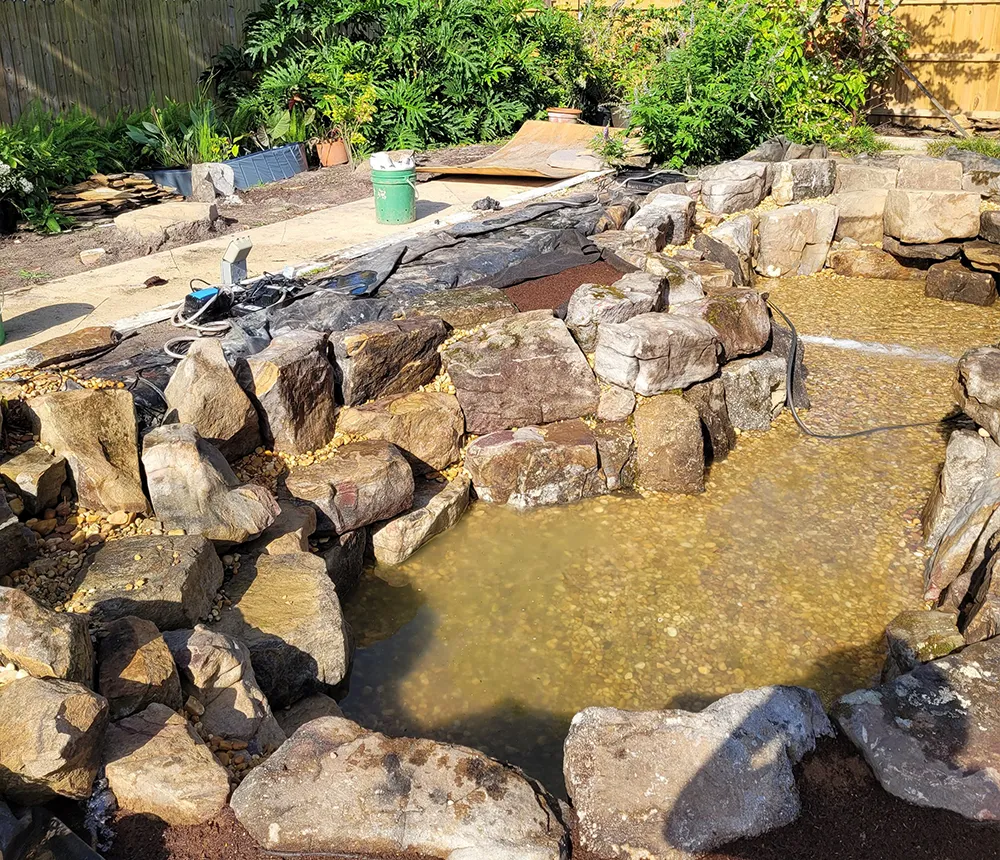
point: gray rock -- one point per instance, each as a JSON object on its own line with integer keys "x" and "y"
{"x": 929, "y": 217}
{"x": 803, "y": 179}
{"x": 291, "y": 383}
{"x": 204, "y": 392}
{"x": 594, "y": 304}
{"x": 953, "y": 282}
{"x": 377, "y": 359}
{"x": 616, "y": 453}
{"x": 179, "y": 578}
{"x": 359, "y": 484}
{"x": 972, "y": 162}
{"x": 436, "y": 508}
{"x": 290, "y": 532}
{"x": 738, "y": 314}
{"x": 156, "y": 765}
{"x": 861, "y": 215}
{"x": 533, "y": 466}
{"x": 714, "y": 276}
{"x": 42, "y": 836}
{"x": 193, "y": 488}
{"x": 755, "y": 390}
{"x": 781, "y": 346}
{"x": 616, "y": 403}
{"x": 680, "y": 283}
{"x": 931, "y": 735}
{"x": 653, "y": 353}
{"x": 859, "y": 177}
{"x": 968, "y": 461}
{"x": 426, "y": 426}
{"x": 976, "y": 388}
{"x": 709, "y": 398}
{"x": 136, "y": 668}
{"x": 731, "y": 244}
{"x": 872, "y": 263}
{"x": 918, "y": 636}
{"x": 464, "y": 805}
{"x": 795, "y": 239}
{"x": 306, "y": 710}
{"x": 525, "y": 369}
{"x": 18, "y": 544}
{"x": 989, "y": 226}
{"x": 44, "y": 643}
{"x": 984, "y": 256}
{"x": 933, "y": 253}
{"x": 772, "y": 149}
{"x": 96, "y": 431}
{"x": 344, "y": 556}
{"x": 461, "y": 309}
{"x": 285, "y": 610}
{"x": 671, "y": 215}
{"x": 215, "y": 669}
{"x": 37, "y": 477}
{"x": 675, "y": 784}
{"x": 929, "y": 174}
{"x": 734, "y": 186}
{"x": 656, "y": 286}
{"x": 50, "y": 739}
{"x": 670, "y": 450}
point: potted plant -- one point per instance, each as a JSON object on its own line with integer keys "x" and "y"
{"x": 349, "y": 107}
{"x": 332, "y": 149}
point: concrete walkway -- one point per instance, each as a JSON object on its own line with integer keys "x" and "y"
{"x": 106, "y": 295}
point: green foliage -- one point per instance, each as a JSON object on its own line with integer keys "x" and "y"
{"x": 988, "y": 146}
{"x": 611, "y": 147}
{"x": 349, "y": 106}
{"x": 448, "y": 71}
{"x": 177, "y": 135}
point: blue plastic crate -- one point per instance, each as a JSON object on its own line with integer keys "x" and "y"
{"x": 260, "y": 168}
{"x": 176, "y": 178}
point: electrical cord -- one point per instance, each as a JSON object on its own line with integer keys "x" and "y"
{"x": 208, "y": 329}
{"x": 790, "y": 399}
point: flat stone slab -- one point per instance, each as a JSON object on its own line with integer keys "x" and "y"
{"x": 436, "y": 508}
{"x": 81, "y": 343}
{"x": 932, "y": 736}
{"x": 153, "y": 221}
{"x": 937, "y": 252}
{"x": 872, "y": 263}
{"x": 463, "y": 308}
{"x": 860, "y": 177}
{"x": 984, "y": 256}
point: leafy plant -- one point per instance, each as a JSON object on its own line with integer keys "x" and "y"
{"x": 988, "y": 146}
{"x": 349, "y": 109}
{"x": 178, "y": 135}
{"x": 611, "y": 147}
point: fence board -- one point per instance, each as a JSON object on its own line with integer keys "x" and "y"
{"x": 104, "y": 55}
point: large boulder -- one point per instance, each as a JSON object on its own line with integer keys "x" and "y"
{"x": 735, "y": 186}
{"x": 461, "y": 805}
{"x": 44, "y": 643}
{"x": 37, "y": 477}
{"x": 156, "y": 765}
{"x": 216, "y": 670}
{"x": 931, "y": 735}
{"x": 377, "y": 359}
{"x": 709, "y": 398}
{"x": 756, "y": 390}
{"x": 50, "y": 739}
{"x": 286, "y": 611}
{"x": 670, "y": 215}
{"x": 136, "y": 668}
{"x": 871, "y": 263}
{"x": 952, "y": 281}
{"x": 931, "y": 216}
{"x": 670, "y": 450}
{"x": 426, "y": 426}
{"x": 594, "y": 304}
{"x": 673, "y": 784}
{"x": 679, "y": 283}
{"x": 96, "y": 431}
{"x": 653, "y": 353}
{"x": 525, "y": 369}
{"x": 461, "y": 309}
{"x": 359, "y": 484}
{"x": 204, "y": 392}
{"x": 795, "y": 240}
{"x": 738, "y": 314}
{"x": 731, "y": 244}
{"x": 193, "y": 488}
{"x": 861, "y": 215}
{"x": 305, "y": 711}
{"x": 860, "y": 177}
{"x": 968, "y": 461}
{"x": 169, "y": 580}
{"x": 18, "y": 543}
{"x": 929, "y": 174}
{"x": 531, "y": 466}
{"x": 803, "y": 179}
{"x": 977, "y": 388}
{"x": 292, "y": 387}
{"x": 436, "y": 508}
{"x": 918, "y": 636}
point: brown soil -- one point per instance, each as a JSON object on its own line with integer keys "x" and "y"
{"x": 845, "y": 816}
{"x": 27, "y": 259}
{"x": 555, "y": 290}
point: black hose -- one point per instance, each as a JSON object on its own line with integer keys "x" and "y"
{"x": 790, "y": 399}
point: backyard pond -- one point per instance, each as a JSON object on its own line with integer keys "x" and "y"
{"x": 785, "y": 571}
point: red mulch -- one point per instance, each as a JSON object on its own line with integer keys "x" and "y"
{"x": 555, "y": 290}
{"x": 845, "y": 816}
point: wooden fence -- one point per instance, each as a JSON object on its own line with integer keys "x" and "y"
{"x": 104, "y": 55}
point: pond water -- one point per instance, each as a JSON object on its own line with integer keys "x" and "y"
{"x": 785, "y": 571}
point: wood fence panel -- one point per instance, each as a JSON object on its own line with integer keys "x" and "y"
{"x": 105, "y": 55}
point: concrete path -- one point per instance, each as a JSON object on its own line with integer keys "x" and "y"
{"x": 103, "y": 296}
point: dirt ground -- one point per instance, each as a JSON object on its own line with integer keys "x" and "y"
{"x": 845, "y": 816}
{"x": 28, "y": 259}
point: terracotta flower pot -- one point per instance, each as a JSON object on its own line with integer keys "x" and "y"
{"x": 564, "y": 114}
{"x": 331, "y": 152}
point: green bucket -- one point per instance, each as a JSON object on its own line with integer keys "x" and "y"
{"x": 395, "y": 196}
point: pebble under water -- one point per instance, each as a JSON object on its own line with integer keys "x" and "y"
{"x": 785, "y": 571}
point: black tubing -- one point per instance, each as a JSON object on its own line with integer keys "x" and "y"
{"x": 790, "y": 399}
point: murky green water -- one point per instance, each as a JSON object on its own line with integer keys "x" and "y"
{"x": 785, "y": 571}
